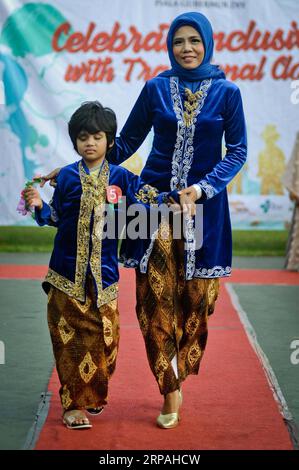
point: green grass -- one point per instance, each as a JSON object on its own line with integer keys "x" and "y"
{"x": 26, "y": 239}
{"x": 259, "y": 242}
{"x": 245, "y": 242}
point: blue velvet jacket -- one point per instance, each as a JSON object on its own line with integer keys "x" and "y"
{"x": 187, "y": 149}
{"x": 78, "y": 211}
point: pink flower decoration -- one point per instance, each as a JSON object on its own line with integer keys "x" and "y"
{"x": 21, "y": 207}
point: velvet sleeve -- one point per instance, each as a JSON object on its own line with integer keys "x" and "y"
{"x": 236, "y": 148}
{"x": 142, "y": 201}
{"x": 134, "y": 131}
{"x": 137, "y": 192}
{"x": 49, "y": 214}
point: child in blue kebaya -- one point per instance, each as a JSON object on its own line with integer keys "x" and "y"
{"x": 82, "y": 280}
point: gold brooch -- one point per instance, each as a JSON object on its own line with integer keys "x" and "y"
{"x": 190, "y": 105}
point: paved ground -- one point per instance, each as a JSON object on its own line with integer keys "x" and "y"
{"x": 272, "y": 311}
{"x": 28, "y": 358}
{"x": 238, "y": 262}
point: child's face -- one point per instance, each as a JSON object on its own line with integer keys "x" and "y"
{"x": 92, "y": 147}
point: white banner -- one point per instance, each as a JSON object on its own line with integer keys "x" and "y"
{"x": 55, "y": 55}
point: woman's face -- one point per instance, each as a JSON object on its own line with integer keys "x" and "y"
{"x": 188, "y": 48}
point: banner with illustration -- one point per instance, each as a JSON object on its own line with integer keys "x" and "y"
{"x": 55, "y": 55}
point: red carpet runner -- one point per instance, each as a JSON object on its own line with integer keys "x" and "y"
{"x": 228, "y": 406}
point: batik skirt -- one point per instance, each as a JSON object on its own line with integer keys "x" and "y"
{"x": 85, "y": 342}
{"x": 172, "y": 312}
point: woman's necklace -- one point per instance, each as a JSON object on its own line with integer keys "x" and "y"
{"x": 190, "y": 105}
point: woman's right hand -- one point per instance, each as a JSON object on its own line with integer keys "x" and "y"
{"x": 50, "y": 177}
{"x": 187, "y": 204}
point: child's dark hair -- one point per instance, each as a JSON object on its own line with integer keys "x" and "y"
{"x": 92, "y": 117}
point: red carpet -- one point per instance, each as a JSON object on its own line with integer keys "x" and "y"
{"x": 22, "y": 271}
{"x": 228, "y": 406}
{"x": 246, "y": 276}
{"x": 264, "y": 276}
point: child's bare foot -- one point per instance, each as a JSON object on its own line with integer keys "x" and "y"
{"x": 76, "y": 419}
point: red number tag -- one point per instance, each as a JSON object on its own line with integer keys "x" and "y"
{"x": 114, "y": 194}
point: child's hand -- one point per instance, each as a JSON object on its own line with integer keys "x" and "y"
{"x": 33, "y": 198}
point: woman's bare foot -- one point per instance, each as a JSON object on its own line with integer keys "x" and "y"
{"x": 169, "y": 417}
{"x": 172, "y": 403}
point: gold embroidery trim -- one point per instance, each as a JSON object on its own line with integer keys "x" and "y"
{"x": 65, "y": 285}
{"x": 93, "y": 197}
{"x": 83, "y": 231}
{"x": 106, "y": 295}
{"x": 147, "y": 194}
{"x": 190, "y": 105}
{"x": 68, "y": 287}
{"x": 96, "y": 199}
{"x": 97, "y": 202}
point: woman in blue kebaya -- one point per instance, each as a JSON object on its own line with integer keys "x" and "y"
{"x": 190, "y": 107}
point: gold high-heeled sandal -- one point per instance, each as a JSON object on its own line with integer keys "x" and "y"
{"x": 170, "y": 420}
